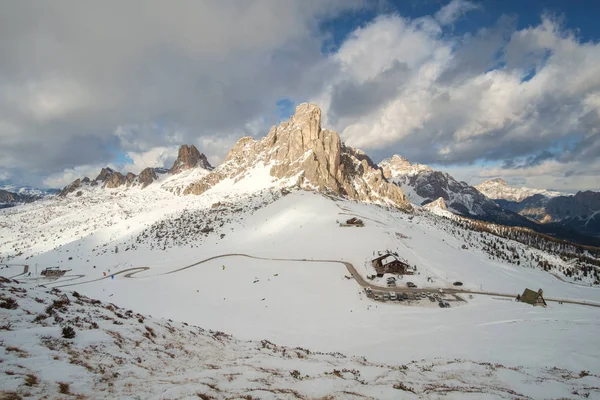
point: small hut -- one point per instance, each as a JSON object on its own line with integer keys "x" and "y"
{"x": 53, "y": 272}
{"x": 354, "y": 222}
{"x": 532, "y": 297}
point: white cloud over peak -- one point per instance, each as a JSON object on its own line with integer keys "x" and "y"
{"x": 207, "y": 73}
{"x": 501, "y": 94}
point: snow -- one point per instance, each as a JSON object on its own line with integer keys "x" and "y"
{"x": 499, "y": 189}
{"x": 308, "y": 302}
{"x": 119, "y": 353}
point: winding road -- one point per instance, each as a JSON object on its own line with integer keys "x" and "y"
{"x": 128, "y": 273}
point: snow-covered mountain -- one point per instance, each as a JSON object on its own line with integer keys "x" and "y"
{"x": 297, "y": 153}
{"x": 499, "y": 189}
{"x": 422, "y": 185}
{"x": 580, "y": 212}
{"x": 28, "y": 190}
{"x": 257, "y": 248}
{"x": 12, "y": 195}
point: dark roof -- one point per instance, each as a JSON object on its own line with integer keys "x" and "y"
{"x": 531, "y": 297}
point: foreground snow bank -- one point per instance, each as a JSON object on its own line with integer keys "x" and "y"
{"x": 117, "y": 353}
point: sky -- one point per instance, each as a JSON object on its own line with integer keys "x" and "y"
{"x": 479, "y": 89}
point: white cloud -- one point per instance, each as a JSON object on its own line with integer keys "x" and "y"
{"x": 68, "y": 175}
{"x": 518, "y": 98}
{"x": 72, "y": 73}
{"x": 158, "y": 157}
{"x": 454, "y": 10}
{"x": 543, "y": 104}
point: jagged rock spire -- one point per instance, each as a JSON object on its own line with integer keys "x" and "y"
{"x": 187, "y": 158}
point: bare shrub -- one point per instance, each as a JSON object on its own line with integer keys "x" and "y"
{"x": 31, "y": 380}
{"x": 68, "y": 332}
{"x": 63, "y": 388}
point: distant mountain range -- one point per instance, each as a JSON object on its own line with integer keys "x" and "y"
{"x": 12, "y": 195}
{"x": 498, "y": 189}
{"x": 574, "y": 218}
{"x": 300, "y": 154}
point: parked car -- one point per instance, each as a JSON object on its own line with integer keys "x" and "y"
{"x": 376, "y": 297}
{"x": 391, "y": 284}
{"x": 393, "y": 296}
{"x": 404, "y": 296}
{"x": 441, "y": 304}
{"x": 411, "y": 285}
{"x": 431, "y": 299}
{"x": 391, "y": 278}
{"x": 457, "y": 283}
{"x": 447, "y": 305}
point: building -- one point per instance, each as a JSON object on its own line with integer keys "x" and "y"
{"x": 534, "y": 298}
{"x": 53, "y": 272}
{"x": 354, "y": 222}
{"x": 388, "y": 263}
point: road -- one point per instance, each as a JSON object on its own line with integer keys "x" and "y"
{"x": 128, "y": 273}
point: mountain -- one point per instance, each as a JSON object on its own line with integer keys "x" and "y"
{"x": 423, "y": 185}
{"x": 499, "y": 189}
{"x": 256, "y": 251}
{"x": 296, "y": 154}
{"x": 299, "y": 153}
{"x": 188, "y": 158}
{"x": 11, "y": 195}
{"x": 580, "y": 213}
{"x": 29, "y": 190}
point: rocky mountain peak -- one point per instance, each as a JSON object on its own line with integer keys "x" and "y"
{"x": 303, "y": 154}
{"x": 495, "y": 181}
{"x": 104, "y": 174}
{"x": 189, "y": 157}
{"x": 396, "y": 166}
{"x": 499, "y": 189}
{"x": 440, "y": 203}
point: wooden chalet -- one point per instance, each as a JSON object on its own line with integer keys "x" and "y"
{"x": 388, "y": 263}
{"x": 532, "y": 297}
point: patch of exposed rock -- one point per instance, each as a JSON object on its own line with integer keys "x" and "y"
{"x": 302, "y": 154}
{"x": 147, "y": 176}
{"x": 189, "y": 157}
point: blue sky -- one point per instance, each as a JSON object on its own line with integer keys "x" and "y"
{"x": 482, "y": 89}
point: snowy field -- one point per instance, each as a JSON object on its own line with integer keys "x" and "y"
{"x": 312, "y": 304}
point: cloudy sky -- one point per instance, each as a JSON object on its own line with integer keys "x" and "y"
{"x": 480, "y": 89}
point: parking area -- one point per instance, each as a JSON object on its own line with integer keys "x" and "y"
{"x": 416, "y": 297}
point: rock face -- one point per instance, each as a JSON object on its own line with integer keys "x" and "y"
{"x": 498, "y": 189}
{"x": 299, "y": 153}
{"x": 580, "y": 213}
{"x": 147, "y": 176}
{"x": 111, "y": 179}
{"x": 70, "y": 188}
{"x": 439, "y": 204}
{"x": 189, "y": 157}
{"x": 424, "y": 185}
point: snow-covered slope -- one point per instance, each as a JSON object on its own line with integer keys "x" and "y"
{"x": 119, "y": 353}
{"x": 188, "y": 255}
{"x": 499, "y": 189}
